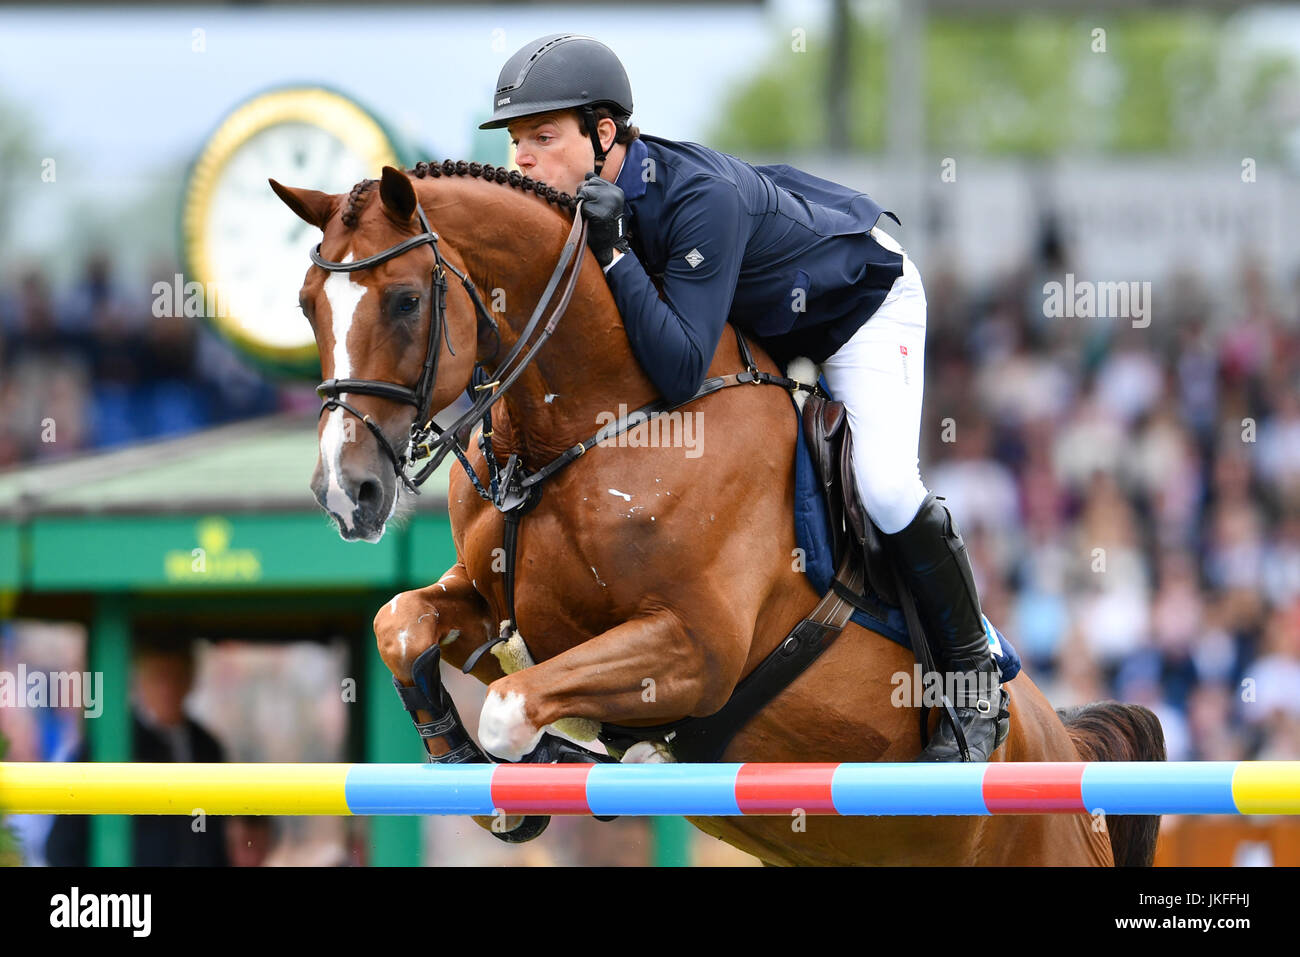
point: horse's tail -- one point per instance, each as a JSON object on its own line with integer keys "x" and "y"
{"x": 1110, "y": 731}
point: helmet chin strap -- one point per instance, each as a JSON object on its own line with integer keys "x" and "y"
{"x": 589, "y": 119}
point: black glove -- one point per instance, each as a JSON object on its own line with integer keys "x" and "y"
{"x": 602, "y": 207}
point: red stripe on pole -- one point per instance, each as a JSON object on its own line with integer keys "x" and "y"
{"x": 784, "y": 787}
{"x": 1030, "y": 788}
{"x": 541, "y": 788}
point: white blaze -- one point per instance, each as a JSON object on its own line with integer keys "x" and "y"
{"x": 343, "y": 296}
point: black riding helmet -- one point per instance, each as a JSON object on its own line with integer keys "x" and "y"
{"x": 560, "y": 72}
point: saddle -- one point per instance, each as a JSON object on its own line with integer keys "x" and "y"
{"x": 859, "y": 546}
{"x": 855, "y": 538}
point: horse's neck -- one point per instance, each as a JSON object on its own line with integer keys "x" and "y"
{"x": 585, "y": 369}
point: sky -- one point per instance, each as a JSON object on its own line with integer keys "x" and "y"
{"x": 128, "y": 80}
{"x": 124, "y": 88}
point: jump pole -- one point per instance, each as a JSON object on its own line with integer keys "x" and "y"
{"x": 1186, "y": 787}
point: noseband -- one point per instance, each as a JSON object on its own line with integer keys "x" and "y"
{"x": 428, "y": 440}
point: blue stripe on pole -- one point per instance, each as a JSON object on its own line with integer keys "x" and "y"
{"x": 909, "y": 789}
{"x": 1158, "y": 787}
{"x": 420, "y": 788}
{"x": 673, "y": 789}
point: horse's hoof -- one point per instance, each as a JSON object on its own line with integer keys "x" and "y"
{"x": 531, "y": 827}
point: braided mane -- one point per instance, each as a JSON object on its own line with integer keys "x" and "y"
{"x": 486, "y": 171}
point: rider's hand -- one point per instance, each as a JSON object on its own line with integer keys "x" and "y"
{"x": 602, "y": 207}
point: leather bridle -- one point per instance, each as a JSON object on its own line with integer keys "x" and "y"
{"x": 427, "y": 440}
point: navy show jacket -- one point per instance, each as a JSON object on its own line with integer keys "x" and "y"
{"x": 787, "y": 257}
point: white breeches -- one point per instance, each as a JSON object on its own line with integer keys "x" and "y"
{"x": 879, "y": 375}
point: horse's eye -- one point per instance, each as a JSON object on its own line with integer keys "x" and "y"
{"x": 408, "y": 305}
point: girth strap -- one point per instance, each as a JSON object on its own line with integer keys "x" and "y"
{"x": 704, "y": 739}
{"x": 511, "y": 545}
{"x": 515, "y": 501}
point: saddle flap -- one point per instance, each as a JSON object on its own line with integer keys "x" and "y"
{"x": 854, "y": 514}
{"x": 822, "y": 421}
{"x": 823, "y": 424}
{"x": 833, "y": 417}
{"x": 876, "y": 557}
{"x": 830, "y": 442}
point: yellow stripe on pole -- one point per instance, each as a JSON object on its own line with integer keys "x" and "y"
{"x": 1267, "y": 787}
{"x": 111, "y": 788}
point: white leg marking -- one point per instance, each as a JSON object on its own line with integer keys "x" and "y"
{"x": 503, "y": 729}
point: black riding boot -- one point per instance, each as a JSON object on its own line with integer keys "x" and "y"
{"x": 932, "y": 558}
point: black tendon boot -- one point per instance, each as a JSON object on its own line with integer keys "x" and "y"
{"x": 932, "y": 559}
{"x": 445, "y": 737}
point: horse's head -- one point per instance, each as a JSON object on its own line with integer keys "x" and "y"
{"x": 377, "y": 331}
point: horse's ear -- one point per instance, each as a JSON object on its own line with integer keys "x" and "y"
{"x": 311, "y": 206}
{"x": 397, "y": 193}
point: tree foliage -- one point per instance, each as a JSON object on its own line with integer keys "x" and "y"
{"x": 1036, "y": 84}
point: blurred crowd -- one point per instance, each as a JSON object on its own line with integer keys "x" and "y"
{"x": 1131, "y": 493}
{"x": 95, "y": 362}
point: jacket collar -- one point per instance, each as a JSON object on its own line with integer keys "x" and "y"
{"x": 629, "y": 178}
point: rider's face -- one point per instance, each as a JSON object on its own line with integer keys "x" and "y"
{"x": 553, "y": 148}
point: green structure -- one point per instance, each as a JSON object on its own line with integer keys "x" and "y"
{"x": 217, "y": 533}
{"x": 214, "y": 533}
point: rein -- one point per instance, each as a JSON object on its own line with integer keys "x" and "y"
{"x": 420, "y": 444}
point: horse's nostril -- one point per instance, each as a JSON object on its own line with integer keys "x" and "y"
{"x": 369, "y": 495}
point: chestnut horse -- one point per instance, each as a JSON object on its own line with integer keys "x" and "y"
{"x": 649, "y": 581}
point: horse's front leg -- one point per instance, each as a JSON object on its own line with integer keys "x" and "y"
{"x": 450, "y": 612}
{"x": 451, "y": 615}
{"x": 647, "y": 669}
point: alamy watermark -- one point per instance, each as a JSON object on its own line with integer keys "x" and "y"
{"x": 129, "y": 911}
{"x": 178, "y": 299}
{"x": 671, "y": 430}
{"x": 53, "y": 689}
{"x": 927, "y": 689}
{"x": 1084, "y": 299}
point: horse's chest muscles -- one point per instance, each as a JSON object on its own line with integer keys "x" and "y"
{"x": 476, "y": 529}
{"x": 587, "y": 552}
